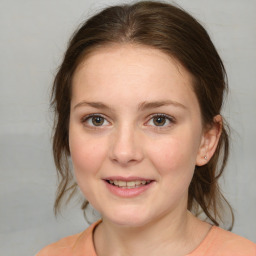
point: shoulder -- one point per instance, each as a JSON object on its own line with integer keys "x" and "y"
{"x": 70, "y": 245}
{"x": 222, "y": 242}
{"x": 62, "y": 247}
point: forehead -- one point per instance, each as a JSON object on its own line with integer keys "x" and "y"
{"x": 130, "y": 57}
{"x": 131, "y": 70}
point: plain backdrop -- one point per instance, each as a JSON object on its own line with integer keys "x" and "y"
{"x": 33, "y": 37}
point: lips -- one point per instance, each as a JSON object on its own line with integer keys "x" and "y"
{"x": 128, "y": 187}
{"x": 128, "y": 184}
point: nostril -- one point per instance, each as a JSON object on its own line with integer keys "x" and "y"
{"x": 125, "y": 147}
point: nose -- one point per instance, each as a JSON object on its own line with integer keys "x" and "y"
{"x": 126, "y": 146}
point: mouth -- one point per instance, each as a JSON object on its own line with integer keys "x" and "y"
{"x": 128, "y": 187}
{"x": 129, "y": 184}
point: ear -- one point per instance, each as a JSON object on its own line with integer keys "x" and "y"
{"x": 209, "y": 141}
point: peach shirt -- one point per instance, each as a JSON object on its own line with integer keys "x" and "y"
{"x": 218, "y": 242}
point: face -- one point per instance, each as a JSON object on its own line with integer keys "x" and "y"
{"x": 135, "y": 133}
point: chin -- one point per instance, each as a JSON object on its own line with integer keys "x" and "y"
{"x": 128, "y": 219}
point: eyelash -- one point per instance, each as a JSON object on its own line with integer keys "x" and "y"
{"x": 88, "y": 117}
{"x": 167, "y": 117}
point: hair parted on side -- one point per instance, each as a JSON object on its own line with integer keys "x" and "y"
{"x": 175, "y": 32}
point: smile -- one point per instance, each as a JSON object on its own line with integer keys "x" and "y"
{"x": 128, "y": 187}
{"x": 128, "y": 184}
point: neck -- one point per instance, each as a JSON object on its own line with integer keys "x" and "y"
{"x": 169, "y": 235}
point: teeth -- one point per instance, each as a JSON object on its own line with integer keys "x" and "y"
{"x": 120, "y": 183}
{"x": 128, "y": 184}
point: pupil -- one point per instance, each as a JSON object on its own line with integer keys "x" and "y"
{"x": 97, "y": 121}
{"x": 159, "y": 121}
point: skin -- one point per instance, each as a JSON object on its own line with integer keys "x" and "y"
{"x": 129, "y": 142}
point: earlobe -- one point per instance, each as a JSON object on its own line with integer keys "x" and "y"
{"x": 209, "y": 141}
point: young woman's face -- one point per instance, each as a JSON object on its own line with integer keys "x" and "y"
{"x": 135, "y": 133}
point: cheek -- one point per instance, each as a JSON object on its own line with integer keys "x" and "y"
{"x": 86, "y": 154}
{"x": 175, "y": 156}
{"x": 175, "y": 163}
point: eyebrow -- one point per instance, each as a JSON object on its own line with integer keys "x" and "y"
{"x": 157, "y": 104}
{"x": 98, "y": 105}
{"x": 142, "y": 106}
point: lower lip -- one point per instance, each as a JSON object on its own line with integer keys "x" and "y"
{"x": 128, "y": 192}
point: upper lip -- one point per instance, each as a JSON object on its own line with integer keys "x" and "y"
{"x": 131, "y": 178}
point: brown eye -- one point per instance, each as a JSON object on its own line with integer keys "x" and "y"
{"x": 159, "y": 120}
{"x": 97, "y": 120}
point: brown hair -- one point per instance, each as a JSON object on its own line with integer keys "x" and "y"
{"x": 175, "y": 32}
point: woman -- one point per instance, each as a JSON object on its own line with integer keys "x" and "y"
{"x": 138, "y": 99}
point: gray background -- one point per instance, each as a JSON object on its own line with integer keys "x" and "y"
{"x": 33, "y": 38}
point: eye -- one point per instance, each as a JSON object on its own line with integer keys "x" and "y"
{"x": 161, "y": 120}
{"x": 95, "y": 120}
